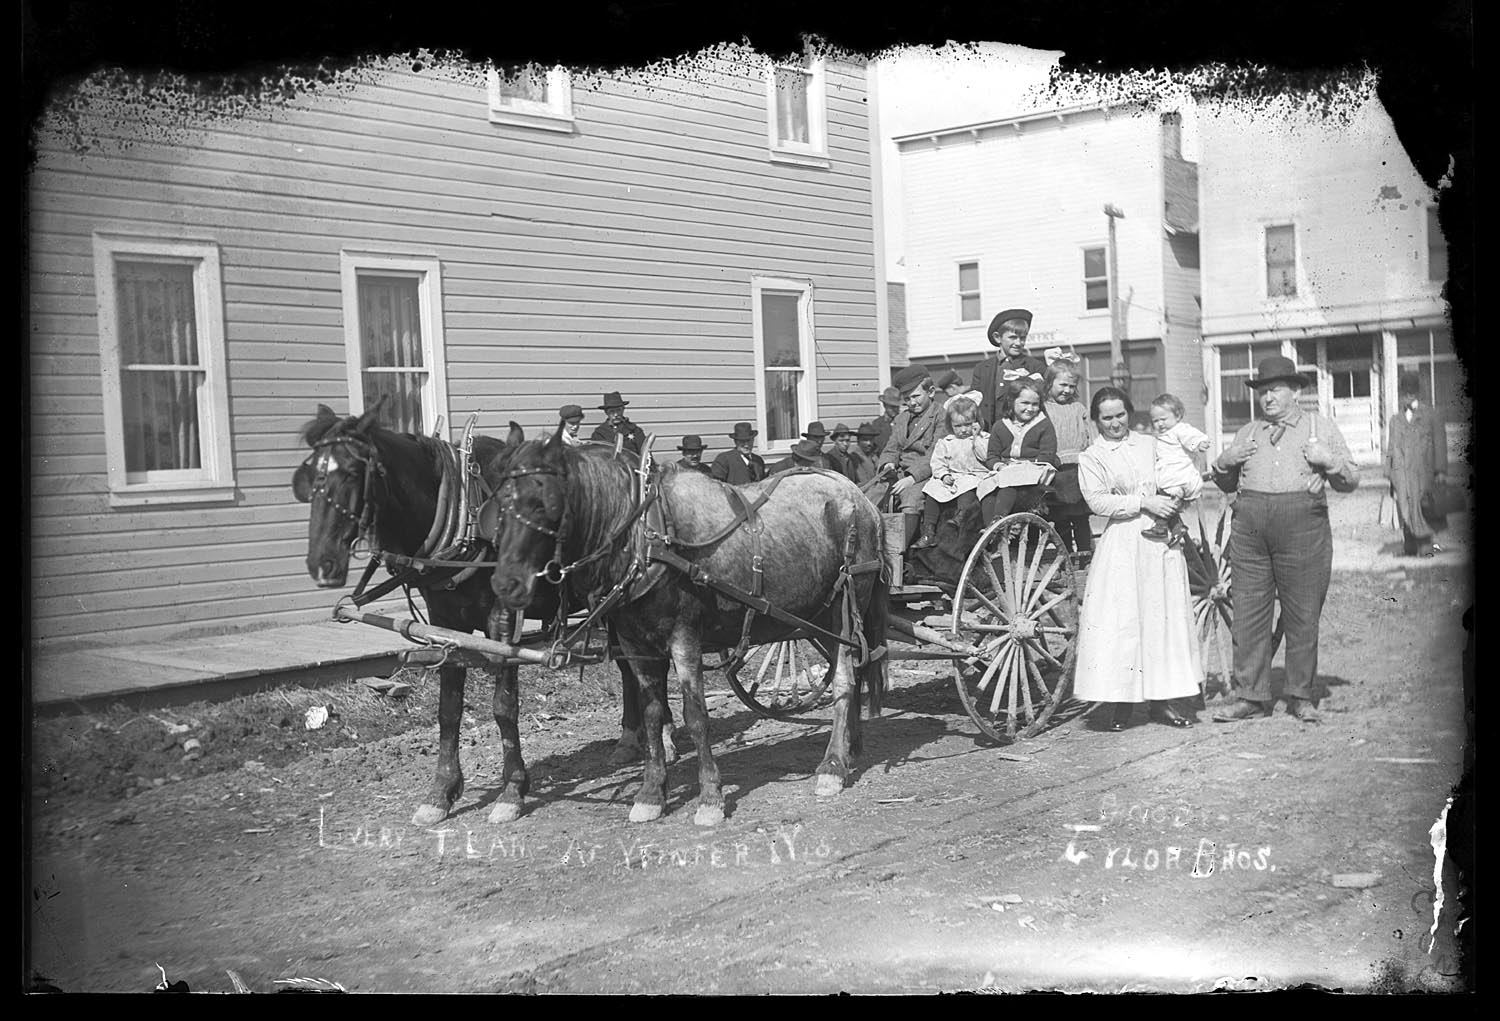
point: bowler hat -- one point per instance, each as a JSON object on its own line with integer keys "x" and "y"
{"x": 807, "y": 451}
{"x": 841, "y": 430}
{"x": 743, "y": 432}
{"x": 569, "y": 411}
{"x": 943, "y": 380}
{"x": 691, "y": 442}
{"x": 816, "y": 431}
{"x": 890, "y": 395}
{"x": 909, "y": 378}
{"x": 1024, "y": 315}
{"x": 869, "y": 429}
{"x": 613, "y": 400}
{"x": 1277, "y": 368}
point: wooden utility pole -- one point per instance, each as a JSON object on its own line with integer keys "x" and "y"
{"x": 1120, "y": 375}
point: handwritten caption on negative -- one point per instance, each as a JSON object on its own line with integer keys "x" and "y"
{"x": 1160, "y": 837}
{"x": 787, "y": 845}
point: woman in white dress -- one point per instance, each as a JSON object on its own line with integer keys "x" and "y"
{"x": 1135, "y": 638}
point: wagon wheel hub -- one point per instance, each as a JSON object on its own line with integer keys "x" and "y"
{"x": 1025, "y": 627}
{"x": 1220, "y": 593}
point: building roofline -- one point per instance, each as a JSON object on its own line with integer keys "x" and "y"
{"x": 1060, "y": 113}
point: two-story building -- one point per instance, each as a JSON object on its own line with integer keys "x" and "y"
{"x": 200, "y": 281}
{"x": 1321, "y": 243}
{"x": 1011, "y": 213}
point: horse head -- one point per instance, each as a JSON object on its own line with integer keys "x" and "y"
{"x": 526, "y": 519}
{"x": 337, "y": 480}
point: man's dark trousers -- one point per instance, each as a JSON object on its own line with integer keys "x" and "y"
{"x": 1280, "y": 548}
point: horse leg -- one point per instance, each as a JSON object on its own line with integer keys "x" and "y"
{"x": 651, "y": 685}
{"x": 448, "y": 785}
{"x": 687, "y": 655}
{"x": 833, "y": 771}
{"x": 514, "y": 780}
{"x": 628, "y": 748}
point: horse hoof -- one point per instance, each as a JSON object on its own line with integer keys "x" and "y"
{"x": 829, "y": 785}
{"x": 644, "y": 813}
{"x": 708, "y": 815}
{"x": 505, "y": 811}
{"x": 428, "y": 815}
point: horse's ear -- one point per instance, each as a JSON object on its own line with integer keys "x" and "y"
{"x": 517, "y": 435}
{"x": 371, "y": 416}
{"x": 302, "y": 483}
{"x": 324, "y": 411}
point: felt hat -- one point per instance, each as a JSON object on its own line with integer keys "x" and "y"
{"x": 1024, "y": 315}
{"x": 890, "y": 395}
{"x": 743, "y": 432}
{"x": 816, "y": 432}
{"x": 909, "y": 378}
{"x": 943, "y": 380}
{"x": 691, "y": 442}
{"x": 613, "y": 400}
{"x": 1277, "y": 368}
{"x": 569, "y": 411}
{"x": 841, "y": 430}
{"x": 868, "y": 429}
{"x": 807, "y": 451}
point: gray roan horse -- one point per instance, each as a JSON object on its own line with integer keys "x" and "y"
{"x": 363, "y": 479}
{"x": 575, "y": 516}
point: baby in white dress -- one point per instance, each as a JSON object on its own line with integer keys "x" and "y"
{"x": 1177, "y": 474}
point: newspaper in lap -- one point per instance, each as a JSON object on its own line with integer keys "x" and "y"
{"x": 1021, "y": 473}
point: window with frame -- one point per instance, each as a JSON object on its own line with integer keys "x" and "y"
{"x": 786, "y": 384}
{"x": 1430, "y": 354}
{"x": 1437, "y": 248}
{"x": 1281, "y": 261}
{"x": 1095, "y": 278}
{"x": 393, "y": 338}
{"x": 1236, "y": 366}
{"x": 796, "y": 112}
{"x": 969, "y": 306}
{"x": 162, "y": 361}
{"x": 533, "y": 97}
{"x": 1142, "y": 362}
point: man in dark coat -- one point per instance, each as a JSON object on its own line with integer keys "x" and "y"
{"x": 1008, "y": 332}
{"x": 742, "y": 464}
{"x": 692, "y": 454}
{"x": 616, "y": 424}
{"x": 805, "y": 454}
{"x": 842, "y": 457}
{"x": 866, "y": 455}
{"x": 908, "y": 452}
{"x": 1416, "y": 460}
{"x": 890, "y": 407}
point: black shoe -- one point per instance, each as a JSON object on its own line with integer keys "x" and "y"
{"x": 1244, "y": 709}
{"x": 925, "y": 541}
{"x": 1157, "y": 532}
{"x": 1303, "y": 709}
{"x": 1171, "y": 717}
{"x": 1121, "y": 718}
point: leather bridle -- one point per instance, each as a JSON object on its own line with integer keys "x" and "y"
{"x": 361, "y": 452}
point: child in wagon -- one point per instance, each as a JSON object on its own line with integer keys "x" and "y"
{"x": 957, "y": 467}
{"x": 1176, "y": 472}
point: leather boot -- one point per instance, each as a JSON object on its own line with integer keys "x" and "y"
{"x": 913, "y": 524}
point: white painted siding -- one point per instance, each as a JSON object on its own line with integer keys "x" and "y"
{"x": 618, "y": 257}
{"x": 1026, "y": 202}
{"x": 1360, "y": 211}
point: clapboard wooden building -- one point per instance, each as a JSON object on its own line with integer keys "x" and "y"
{"x": 204, "y": 274}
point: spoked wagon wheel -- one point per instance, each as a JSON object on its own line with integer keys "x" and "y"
{"x": 1017, "y": 603}
{"x": 781, "y": 680}
{"x": 1210, "y": 580}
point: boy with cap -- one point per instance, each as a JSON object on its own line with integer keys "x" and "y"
{"x": 742, "y": 464}
{"x": 842, "y": 458}
{"x": 908, "y": 451}
{"x": 890, "y": 407}
{"x": 1008, "y": 332}
{"x": 692, "y": 454}
{"x": 616, "y": 424}
{"x": 570, "y": 417}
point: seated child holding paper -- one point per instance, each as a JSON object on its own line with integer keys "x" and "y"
{"x": 1022, "y": 452}
{"x": 957, "y": 467}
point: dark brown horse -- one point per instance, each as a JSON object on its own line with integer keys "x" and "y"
{"x": 363, "y": 478}
{"x": 815, "y": 542}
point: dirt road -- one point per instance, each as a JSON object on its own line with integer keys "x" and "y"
{"x": 1152, "y": 859}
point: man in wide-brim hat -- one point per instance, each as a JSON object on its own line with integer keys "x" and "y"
{"x": 908, "y": 452}
{"x": 890, "y": 406}
{"x": 805, "y": 454}
{"x": 1008, "y": 332}
{"x": 845, "y": 456}
{"x": 615, "y": 424}
{"x": 742, "y": 464}
{"x": 1280, "y": 542}
{"x": 692, "y": 448}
